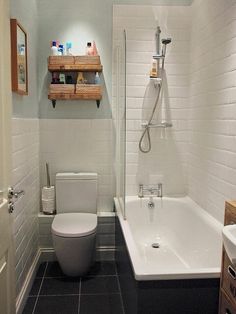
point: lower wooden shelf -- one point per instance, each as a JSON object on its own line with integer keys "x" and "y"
{"x": 77, "y": 92}
{"x": 74, "y": 96}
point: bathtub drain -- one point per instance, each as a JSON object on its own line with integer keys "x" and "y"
{"x": 156, "y": 245}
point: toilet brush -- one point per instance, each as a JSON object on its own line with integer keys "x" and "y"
{"x": 48, "y": 175}
{"x": 48, "y": 195}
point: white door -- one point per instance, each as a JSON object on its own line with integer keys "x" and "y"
{"x": 7, "y": 286}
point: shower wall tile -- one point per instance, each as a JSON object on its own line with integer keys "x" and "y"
{"x": 167, "y": 161}
{"x": 212, "y": 114}
{"x": 79, "y": 145}
{"x": 25, "y": 176}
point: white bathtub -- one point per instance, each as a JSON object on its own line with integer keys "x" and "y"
{"x": 189, "y": 238}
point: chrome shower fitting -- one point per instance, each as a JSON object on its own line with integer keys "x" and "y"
{"x": 165, "y": 42}
{"x": 158, "y": 85}
{"x": 158, "y": 32}
{"x": 152, "y": 190}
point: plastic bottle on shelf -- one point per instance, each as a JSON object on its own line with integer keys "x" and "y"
{"x": 95, "y": 51}
{"x": 54, "y": 50}
{"x": 69, "y": 49}
{"x": 61, "y": 50}
{"x": 62, "y": 78}
{"x": 89, "y": 49}
{"x": 153, "y": 72}
{"x": 97, "y": 80}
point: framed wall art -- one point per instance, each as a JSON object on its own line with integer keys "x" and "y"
{"x": 19, "y": 67}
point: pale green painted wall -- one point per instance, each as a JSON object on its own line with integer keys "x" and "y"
{"x": 76, "y": 20}
{"x": 25, "y": 12}
{"x": 79, "y": 22}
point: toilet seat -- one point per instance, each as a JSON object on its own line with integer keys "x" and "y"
{"x": 74, "y": 225}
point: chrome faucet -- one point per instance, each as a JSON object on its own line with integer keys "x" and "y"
{"x": 152, "y": 190}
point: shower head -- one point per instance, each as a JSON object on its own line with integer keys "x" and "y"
{"x": 166, "y": 41}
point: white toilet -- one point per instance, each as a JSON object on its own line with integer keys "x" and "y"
{"x": 75, "y": 224}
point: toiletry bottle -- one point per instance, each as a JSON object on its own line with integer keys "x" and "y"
{"x": 153, "y": 72}
{"x": 69, "y": 79}
{"x": 69, "y": 49}
{"x": 95, "y": 51}
{"x": 62, "y": 78}
{"x": 80, "y": 78}
{"x": 55, "y": 78}
{"x": 89, "y": 49}
{"x": 97, "y": 80}
{"x": 54, "y": 49}
{"x": 61, "y": 50}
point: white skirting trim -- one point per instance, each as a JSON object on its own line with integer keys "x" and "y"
{"x": 23, "y": 295}
{"x": 47, "y": 255}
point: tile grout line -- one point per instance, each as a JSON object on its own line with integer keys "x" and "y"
{"x": 89, "y": 276}
{"x": 122, "y": 304}
{"x": 79, "y": 295}
{"x": 40, "y": 288}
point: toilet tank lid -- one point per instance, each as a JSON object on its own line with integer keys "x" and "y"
{"x": 76, "y": 176}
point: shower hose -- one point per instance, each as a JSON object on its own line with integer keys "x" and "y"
{"x": 146, "y": 131}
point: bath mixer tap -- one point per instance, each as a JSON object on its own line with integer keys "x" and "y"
{"x": 152, "y": 190}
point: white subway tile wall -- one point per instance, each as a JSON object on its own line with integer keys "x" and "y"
{"x": 212, "y": 115}
{"x": 25, "y": 176}
{"x": 197, "y": 156}
{"x": 167, "y": 161}
{"x": 79, "y": 145}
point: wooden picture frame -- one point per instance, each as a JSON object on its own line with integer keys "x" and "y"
{"x": 19, "y": 65}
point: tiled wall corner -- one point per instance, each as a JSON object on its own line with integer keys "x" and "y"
{"x": 25, "y": 176}
{"x": 79, "y": 145}
{"x": 212, "y": 104}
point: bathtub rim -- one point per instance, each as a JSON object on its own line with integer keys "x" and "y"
{"x": 140, "y": 275}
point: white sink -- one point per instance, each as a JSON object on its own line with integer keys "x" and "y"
{"x": 229, "y": 240}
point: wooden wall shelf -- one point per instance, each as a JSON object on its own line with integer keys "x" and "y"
{"x": 73, "y": 97}
{"x": 77, "y": 63}
{"x": 74, "y": 91}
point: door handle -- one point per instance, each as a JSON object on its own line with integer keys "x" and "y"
{"x": 11, "y": 207}
{"x": 14, "y": 194}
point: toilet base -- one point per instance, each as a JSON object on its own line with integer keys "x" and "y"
{"x": 75, "y": 255}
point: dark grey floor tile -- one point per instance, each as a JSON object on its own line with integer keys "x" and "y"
{"x": 35, "y": 288}
{"x": 57, "y": 305}
{"x": 102, "y": 268}
{"x": 29, "y": 306}
{"x": 41, "y": 270}
{"x": 102, "y": 285}
{"x": 60, "y": 286}
{"x": 54, "y": 270}
{"x": 100, "y": 304}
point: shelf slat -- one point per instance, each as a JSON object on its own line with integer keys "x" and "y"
{"x": 75, "y": 67}
{"x": 74, "y": 96}
{"x": 74, "y": 63}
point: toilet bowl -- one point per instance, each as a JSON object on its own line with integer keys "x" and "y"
{"x": 74, "y": 237}
{"x": 75, "y": 224}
